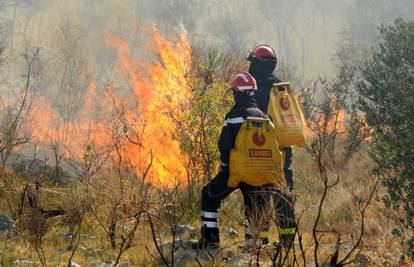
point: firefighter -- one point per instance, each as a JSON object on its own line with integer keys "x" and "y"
{"x": 263, "y": 62}
{"x": 256, "y": 198}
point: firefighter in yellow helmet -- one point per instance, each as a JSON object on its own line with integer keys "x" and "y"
{"x": 248, "y": 156}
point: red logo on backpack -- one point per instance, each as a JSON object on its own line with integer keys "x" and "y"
{"x": 284, "y": 102}
{"x": 259, "y": 140}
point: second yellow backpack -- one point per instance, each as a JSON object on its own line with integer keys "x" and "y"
{"x": 287, "y": 116}
{"x": 255, "y": 158}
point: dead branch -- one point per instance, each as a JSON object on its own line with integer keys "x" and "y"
{"x": 154, "y": 239}
{"x": 362, "y": 211}
{"x": 10, "y": 139}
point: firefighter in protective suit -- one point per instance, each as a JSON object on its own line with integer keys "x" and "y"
{"x": 256, "y": 193}
{"x": 263, "y": 62}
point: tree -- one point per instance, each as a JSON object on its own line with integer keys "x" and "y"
{"x": 199, "y": 127}
{"x": 387, "y": 98}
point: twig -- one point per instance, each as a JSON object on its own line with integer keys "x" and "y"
{"x": 154, "y": 239}
{"x": 361, "y": 235}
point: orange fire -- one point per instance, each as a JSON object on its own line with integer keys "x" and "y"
{"x": 161, "y": 99}
{"x": 337, "y": 123}
{"x": 143, "y": 122}
{"x": 70, "y": 136}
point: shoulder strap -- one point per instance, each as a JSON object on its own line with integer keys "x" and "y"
{"x": 235, "y": 120}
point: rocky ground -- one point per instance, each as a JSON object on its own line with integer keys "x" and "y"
{"x": 184, "y": 255}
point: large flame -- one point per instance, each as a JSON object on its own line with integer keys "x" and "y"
{"x": 161, "y": 99}
{"x": 160, "y": 92}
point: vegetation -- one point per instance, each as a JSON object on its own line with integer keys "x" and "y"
{"x": 104, "y": 150}
{"x": 387, "y": 98}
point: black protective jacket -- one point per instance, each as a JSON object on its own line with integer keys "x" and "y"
{"x": 244, "y": 107}
{"x": 263, "y": 73}
{"x": 263, "y": 92}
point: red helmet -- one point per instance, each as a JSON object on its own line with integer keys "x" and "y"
{"x": 243, "y": 82}
{"x": 263, "y": 52}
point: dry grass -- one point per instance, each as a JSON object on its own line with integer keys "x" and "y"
{"x": 338, "y": 213}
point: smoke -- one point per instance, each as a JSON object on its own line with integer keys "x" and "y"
{"x": 73, "y": 35}
{"x": 76, "y": 62}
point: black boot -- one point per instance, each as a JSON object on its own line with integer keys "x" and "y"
{"x": 210, "y": 239}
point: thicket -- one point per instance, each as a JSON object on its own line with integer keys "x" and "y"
{"x": 387, "y": 99}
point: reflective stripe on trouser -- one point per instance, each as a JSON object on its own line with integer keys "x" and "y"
{"x": 209, "y": 219}
{"x": 287, "y": 231}
{"x": 209, "y": 214}
{"x": 286, "y": 219}
{"x": 285, "y": 214}
{"x": 211, "y": 196}
{"x": 251, "y": 232}
{"x": 209, "y": 224}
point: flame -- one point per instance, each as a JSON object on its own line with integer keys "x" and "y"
{"x": 161, "y": 99}
{"x": 49, "y": 128}
{"x": 335, "y": 124}
{"x": 160, "y": 92}
{"x": 338, "y": 124}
